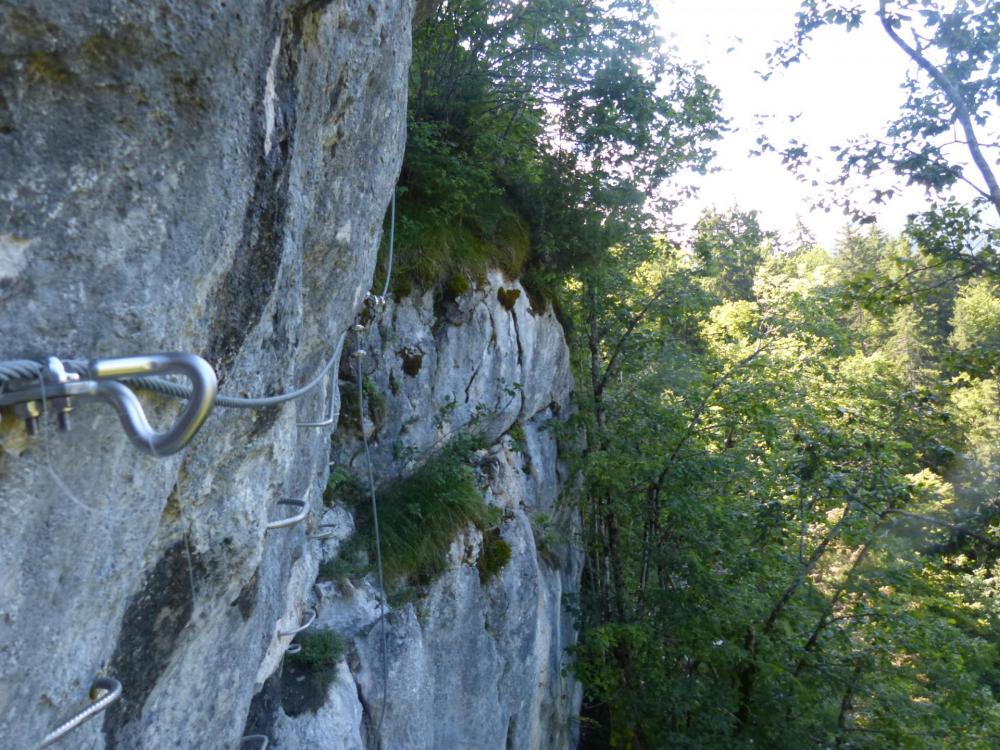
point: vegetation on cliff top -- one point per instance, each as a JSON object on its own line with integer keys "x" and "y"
{"x": 536, "y": 133}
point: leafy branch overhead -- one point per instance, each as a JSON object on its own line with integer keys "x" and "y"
{"x": 946, "y": 135}
{"x": 539, "y": 132}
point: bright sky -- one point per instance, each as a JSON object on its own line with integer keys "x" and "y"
{"x": 847, "y": 88}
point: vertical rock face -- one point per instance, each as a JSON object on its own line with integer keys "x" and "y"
{"x": 473, "y": 663}
{"x": 193, "y": 176}
{"x": 212, "y": 177}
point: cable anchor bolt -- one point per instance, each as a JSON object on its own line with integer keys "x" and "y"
{"x": 30, "y": 412}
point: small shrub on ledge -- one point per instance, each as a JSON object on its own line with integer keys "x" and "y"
{"x": 420, "y": 514}
{"x": 494, "y": 555}
{"x": 308, "y": 674}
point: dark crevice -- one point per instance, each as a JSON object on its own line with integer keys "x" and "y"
{"x": 244, "y": 293}
{"x": 246, "y": 601}
{"x": 151, "y": 628}
{"x": 468, "y": 385}
{"x": 517, "y": 335}
{"x": 263, "y": 713}
{"x": 511, "y": 732}
{"x": 413, "y": 359}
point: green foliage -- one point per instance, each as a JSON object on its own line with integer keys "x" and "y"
{"x": 307, "y": 675}
{"x": 351, "y": 561}
{"x": 977, "y": 325}
{"x": 728, "y": 248}
{"x": 790, "y": 500}
{"x": 508, "y": 297}
{"x": 517, "y": 437}
{"x": 546, "y": 539}
{"x": 374, "y": 404}
{"x": 420, "y": 515}
{"x": 321, "y": 650}
{"x": 493, "y": 557}
{"x": 343, "y": 487}
{"x": 486, "y": 183}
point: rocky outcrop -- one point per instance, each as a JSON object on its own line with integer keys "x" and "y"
{"x": 471, "y": 663}
{"x": 207, "y": 177}
{"x": 212, "y": 177}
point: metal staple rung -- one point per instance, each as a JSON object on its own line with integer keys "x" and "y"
{"x": 318, "y": 535}
{"x": 331, "y": 416}
{"x": 114, "y": 692}
{"x": 294, "y": 648}
{"x": 304, "y": 626}
{"x": 291, "y": 520}
{"x": 262, "y": 739}
{"x": 334, "y": 415}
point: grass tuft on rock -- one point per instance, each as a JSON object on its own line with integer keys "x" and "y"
{"x": 420, "y": 515}
{"x": 321, "y": 650}
{"x": 308, "y": 674}
{"x": 494, "y": 556}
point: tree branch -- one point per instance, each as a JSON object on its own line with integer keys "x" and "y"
{"x": 954, "y": 95}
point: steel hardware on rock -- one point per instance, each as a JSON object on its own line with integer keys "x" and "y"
{"x": 53, "y": 387}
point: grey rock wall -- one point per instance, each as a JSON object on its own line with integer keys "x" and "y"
{"x": 179, "y": 175}
{"x": 212, "y": 177}
{"x": 471, "y": 665}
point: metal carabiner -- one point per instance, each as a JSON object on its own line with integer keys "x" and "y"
{"x": 59, "y": 388}
{"x": 203, "y": 383}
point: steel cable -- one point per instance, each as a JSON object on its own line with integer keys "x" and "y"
{"x": 26, "y": 369}
{"x": 114, "y": 692}
{"x": 392, "y": 242}
{"x": 358, "y": 352}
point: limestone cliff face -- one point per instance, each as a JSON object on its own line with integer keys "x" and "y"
{"x": 471, "y": 664}
{"x": 212, "y": 177}
{"x": 195, "y": 176}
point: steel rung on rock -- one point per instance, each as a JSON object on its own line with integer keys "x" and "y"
{"x": 291, "y": 520}
{"x": 304, "y": 626}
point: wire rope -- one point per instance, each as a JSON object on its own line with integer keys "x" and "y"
{"x": 112, "y": 692}
{"x": 358, "y": 353}
{"x": 27, "y": 369}
{"x": 392, "y": 242}
{"x": 179, "y": 390}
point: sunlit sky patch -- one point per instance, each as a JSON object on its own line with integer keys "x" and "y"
{"x": 847, "y": 88}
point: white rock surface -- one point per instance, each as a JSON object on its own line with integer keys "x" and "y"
{"x": 212, "y": 177}
{"x": 195, "y": 176}
{"x": 471, "y": 666}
